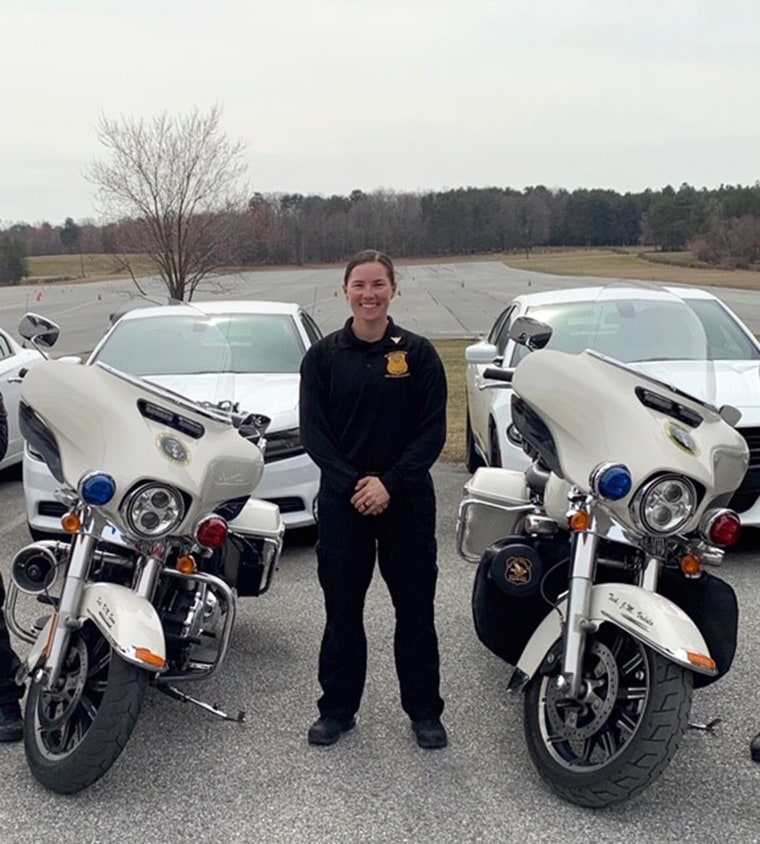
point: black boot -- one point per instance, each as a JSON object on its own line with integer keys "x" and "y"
{"x": 11, "y": 725}
{"x": 754, "y": 748}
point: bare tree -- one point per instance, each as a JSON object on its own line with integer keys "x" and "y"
{"x": 175, "y": 179}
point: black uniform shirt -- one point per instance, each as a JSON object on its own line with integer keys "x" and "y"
{"x": 373, "y": 408}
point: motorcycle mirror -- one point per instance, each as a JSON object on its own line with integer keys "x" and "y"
{"x": 530, "y": 332}
{"x": 730, "y": 414}
{"x": 39, "y": 330}
{"x": 252, "y": 426}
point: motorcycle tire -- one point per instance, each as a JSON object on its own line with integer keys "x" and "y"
{"x": 74, "y": 735}
{"x": 616, "y": 743}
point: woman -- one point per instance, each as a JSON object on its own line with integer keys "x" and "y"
{"x": 373, "y": 418}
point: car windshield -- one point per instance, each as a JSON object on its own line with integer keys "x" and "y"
{"x": 189, "y": 344}
{"x": 640, "y": 330}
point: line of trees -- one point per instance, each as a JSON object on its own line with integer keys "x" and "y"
{"x": 720, "y": 226}
{"x": 170, "y": 189}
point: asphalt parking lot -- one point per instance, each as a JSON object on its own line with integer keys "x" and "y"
{"x": 186, "y": 776}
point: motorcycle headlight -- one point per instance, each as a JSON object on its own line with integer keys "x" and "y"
{"x": 153, "y": 510}
{"x": 664, "y": 505}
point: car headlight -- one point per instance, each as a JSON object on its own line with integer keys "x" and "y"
{"x": 664, "y": 505}
{"x": 153, "y": 510}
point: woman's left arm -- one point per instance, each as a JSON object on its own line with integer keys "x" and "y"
{"x": 424, "y": 448}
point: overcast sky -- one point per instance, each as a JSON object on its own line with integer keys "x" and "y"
{"x": 408, "y": 95}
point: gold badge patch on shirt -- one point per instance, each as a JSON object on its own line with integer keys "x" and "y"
{"x": 397, "y": 366}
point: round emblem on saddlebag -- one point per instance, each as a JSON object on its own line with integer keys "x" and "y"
{"x": 516, "y": 568}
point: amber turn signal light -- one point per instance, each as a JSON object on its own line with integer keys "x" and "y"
{"x": 691, "y": 565}
{"x": 71, "y": 522}
{"x": 580, "y": 520}
{"x": 186, "y": 564}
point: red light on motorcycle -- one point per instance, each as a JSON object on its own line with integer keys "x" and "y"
{"x": 691, "y": 565}
{"x": 186, "y": 564}
{"x": 211, "y": 532}
{"x": 71, "y": 522}
{"x": 723, "y": 528}
{"x": 145, "y": 655}
{"x": 580, "y": 520}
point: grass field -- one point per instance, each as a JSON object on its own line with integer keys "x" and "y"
{"x": 669, "y": 268}
{"x": 45, "y": 269}
{"x": 452, "y": 355}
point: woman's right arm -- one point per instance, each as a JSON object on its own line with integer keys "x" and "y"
{"x": 317, "y": 431}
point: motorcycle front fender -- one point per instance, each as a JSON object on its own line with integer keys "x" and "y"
{"x": 127, "y": 621}
{"x": 649, "y": 617}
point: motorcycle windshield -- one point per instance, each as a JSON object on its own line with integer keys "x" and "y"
{"x": 650, "y": 329}
{"x": 180, "y": 350}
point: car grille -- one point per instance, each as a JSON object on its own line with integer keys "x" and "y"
{"x": 283, "y": 444}
{"x": 288, "y": 505}
{"x": 747, "y": 494}
{"x": 51, "y": 508}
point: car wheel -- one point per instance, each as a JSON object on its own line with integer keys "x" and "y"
{"x": 474, "y": 460}
{"x": 494, "y": 452}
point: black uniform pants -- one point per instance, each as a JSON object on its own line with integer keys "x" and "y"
{"x": 9, "y": 691}
{"x": 402, "y": 539}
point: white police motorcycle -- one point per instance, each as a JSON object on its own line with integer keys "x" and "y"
{"x": 164, "y": 537}
{"x": 590, "y": 578}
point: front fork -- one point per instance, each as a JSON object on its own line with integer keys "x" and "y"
{"x": 67, "y": 615}
{"x": 577, "y": 624}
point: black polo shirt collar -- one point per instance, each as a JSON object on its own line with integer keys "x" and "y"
{"x": 347, "y": 338}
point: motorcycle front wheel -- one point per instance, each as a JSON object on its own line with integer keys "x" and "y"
{"x": 620, "y": 737}
{"x": 74, "y": 734}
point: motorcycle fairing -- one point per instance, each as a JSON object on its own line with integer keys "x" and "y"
{"x": 93, "y": 431}
{"x": 627, "y": 431}
{"x": 647, "y": 616}
{"x": 128, "y": 622}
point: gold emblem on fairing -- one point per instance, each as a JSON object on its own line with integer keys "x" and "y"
{"x": 173, "y": 449}
{"x": 397, "y": 365}
{"x": 518, "y": 570}
{"x": 682, "y": 438}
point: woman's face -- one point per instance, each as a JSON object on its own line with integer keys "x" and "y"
{"x": 369, "y": 292}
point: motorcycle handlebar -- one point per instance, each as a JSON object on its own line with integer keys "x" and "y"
{"x": 499, "y": 374}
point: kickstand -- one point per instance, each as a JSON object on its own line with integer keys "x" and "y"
{"x": 171, "y": 691}
{"x": 711, "y": 727}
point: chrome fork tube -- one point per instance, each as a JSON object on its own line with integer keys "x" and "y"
{"x": 148, "y": 576}
{"x": 578, "y": 603}
{"x": 650, "y": 574}
{"x": 67, "y": 618}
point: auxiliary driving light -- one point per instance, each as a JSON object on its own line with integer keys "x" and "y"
{"x": 97, "y": 488}
{"x": 611, "y": 481}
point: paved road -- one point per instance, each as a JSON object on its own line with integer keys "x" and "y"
{"x": 186, "y": 776}
{"x": 439, "y": 300}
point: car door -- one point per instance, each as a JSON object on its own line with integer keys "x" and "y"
{"x": 479, "y": 399}
{"x": 13, "y": 360}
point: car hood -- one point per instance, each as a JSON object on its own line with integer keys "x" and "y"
{"x": 737, "y": 382}
{"x": 274, "y": 394}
